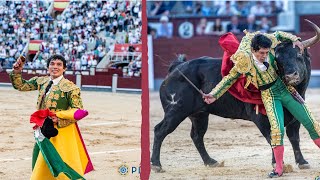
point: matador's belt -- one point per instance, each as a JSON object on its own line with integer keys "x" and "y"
{"x": 266, "y": 86}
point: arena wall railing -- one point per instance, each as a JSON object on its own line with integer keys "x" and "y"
{"x": 88, "y": 80}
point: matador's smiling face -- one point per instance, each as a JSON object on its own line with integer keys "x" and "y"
{"x": 56, "y": 68}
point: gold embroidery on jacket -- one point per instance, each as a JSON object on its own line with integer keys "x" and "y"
{"x": 21, "y": 84}
{"x": 266, "y": 77}
{"x": 53, "y": 104}
{"x": 225, "y": 83}
{"x": 65, "y": 122}
{"x": 275, "y": 129}
{"x": 56, "y": 97}
{"x": 66, "y": 85}
{"x": 43, "y": 79}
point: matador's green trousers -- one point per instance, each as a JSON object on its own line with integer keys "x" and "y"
{"x": 277, "y": 97}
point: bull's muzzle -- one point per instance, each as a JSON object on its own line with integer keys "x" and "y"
{"x": 292, "y": 79}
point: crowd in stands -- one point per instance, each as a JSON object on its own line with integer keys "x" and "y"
{"x": 84, "y": 33}
{"x": 214, "y": 8}
{"x": 164, "y": 10}
{"x": 19, "y": 22}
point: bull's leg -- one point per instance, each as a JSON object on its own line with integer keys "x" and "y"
{"x": 199, "y": 128}
{"x": 292, "y": 131}
{"x": 161, "y": 130}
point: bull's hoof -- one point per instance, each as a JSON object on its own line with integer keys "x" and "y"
{"x": 157, "y": 169}
{"x": 287, "y": 168}
{"x": 304, "y": 166}
{"x": 216, "y": 164}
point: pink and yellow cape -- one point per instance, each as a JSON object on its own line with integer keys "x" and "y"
{"x": 68, "y": 144}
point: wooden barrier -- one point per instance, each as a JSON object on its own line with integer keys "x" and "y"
{"x": 100, "y": 79}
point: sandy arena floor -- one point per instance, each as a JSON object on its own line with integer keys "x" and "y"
{"x": 111, "y": 133}
{"x": 236, "y": 142}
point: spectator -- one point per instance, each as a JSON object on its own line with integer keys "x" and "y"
{"x": 258, "y": 9}
{"x": 132, "y": 67}
{"x": 162, "y": 7}
{"x": 92, "y": 63}
{"x": 217, "y": 28}
{"x": 275, "y": 8}
{"x": 227, "y": 10}
{"x": 197, "y": 8}
{"x": 265, "y": 25}
{"x": 138, "y": 62}
{"x": 187, "y": 5}
{"x": 84, "y": 61}
{"x": 166, "y": 28}
{"x": 3, "y": 55}
{"x": 12, "y": 54}
{"x": 152, "y": 32}
{"x": 201, "y": 27}
{"x": 37, "y": 64}
{"x": 206, "y": 8}
{"x": 234, "y": 27}
{"x": 77, "y": 65}
{"x": 250, "y": 25}
{"x": 243, "y": 8}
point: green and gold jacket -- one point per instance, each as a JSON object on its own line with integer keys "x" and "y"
{"x": 63, "y": 96}
{"x": 244, "y": 64}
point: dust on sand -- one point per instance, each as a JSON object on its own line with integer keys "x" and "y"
{"x": 238, "y": 143}
{"x": 111, "y": 132}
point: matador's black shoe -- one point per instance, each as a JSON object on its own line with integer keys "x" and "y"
{"x": 274, "y": 174}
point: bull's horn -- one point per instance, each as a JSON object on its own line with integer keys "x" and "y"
{"x": 313, "y": 40}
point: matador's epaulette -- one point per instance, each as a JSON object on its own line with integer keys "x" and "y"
{"x": 42, "y": 80}
{"x": 242, "y": 61}
{"x": 66, "y": 86}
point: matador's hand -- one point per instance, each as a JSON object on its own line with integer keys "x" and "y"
{"x": 54, "y": 119}
{"x": 18, "y": 65}
{"x": 208, "y": 98}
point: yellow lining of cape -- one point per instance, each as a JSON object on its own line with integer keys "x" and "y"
{"x": 69, "y": 146}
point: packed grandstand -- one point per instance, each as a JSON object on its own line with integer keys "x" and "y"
{"x": 98, "y": 34}
{"x": 229, "y": 16}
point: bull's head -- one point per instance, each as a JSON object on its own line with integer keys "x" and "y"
{"x": 293, "y": 65}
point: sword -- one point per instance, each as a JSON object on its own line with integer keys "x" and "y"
{"x": 195, "y": 87}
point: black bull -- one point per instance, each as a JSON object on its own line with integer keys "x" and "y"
{"x": 180, "y": 100}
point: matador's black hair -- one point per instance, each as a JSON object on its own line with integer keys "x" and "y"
{"x": 57, "y": 56}
{"x": 260, "y": 41}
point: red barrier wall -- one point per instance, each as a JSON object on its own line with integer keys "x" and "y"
{"x": 100, "y": 79}
{"x": 304, "y": 26}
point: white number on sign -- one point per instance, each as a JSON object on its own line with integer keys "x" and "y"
{"x": 186, "y": 30}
